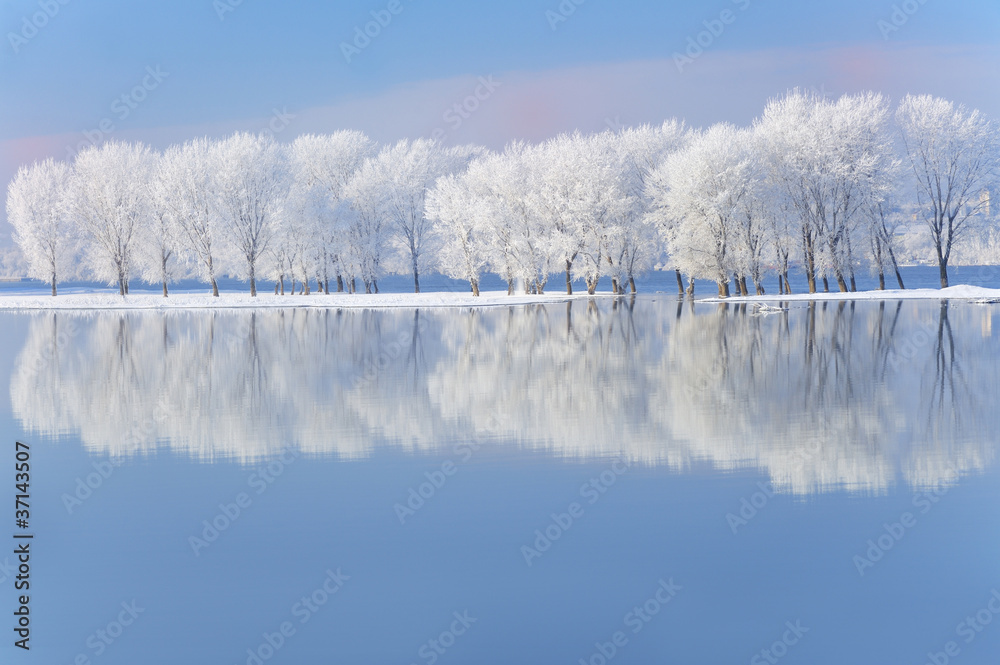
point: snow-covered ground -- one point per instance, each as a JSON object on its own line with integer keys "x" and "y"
{"x": 105, "y": 301}
{"x": 187, "y": 300}
{"x": 958, "y": 292}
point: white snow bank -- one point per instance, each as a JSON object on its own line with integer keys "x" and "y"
{"x": 269, "y": 300}
{"x": 959, "y": 292}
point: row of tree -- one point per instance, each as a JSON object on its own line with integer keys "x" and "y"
{"x": 827, "y": 184}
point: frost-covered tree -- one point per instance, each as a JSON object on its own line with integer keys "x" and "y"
{"x": 789, "y": 128}
{"x": 459, "y": 205}
{"x": 883, "y": 220}
{"x": 296, "y": 249}
{"x": 190, "y": 197}
{"x": 404, "y": 172}
{"x": 635, "y": 247}
{"x": 322, "y": 165}
{"x": 581, "y": 195}
{"x": 251, "y": 182}
{"x": 755, "y": 209}
{"x": 111, "y": 203}
{"x": 952, "y": 152}
{"x": 38, "y": 209}
{"x": 159, "y": 245}
{"x": 521, "y": 239}
{"x": 824, "y": 155}
{"x": 702, "y": 189}
{"x": 368, "y": 231}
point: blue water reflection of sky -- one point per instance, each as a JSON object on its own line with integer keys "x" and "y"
{"x": 461, "y": 552}
{"x": 793, "y": 561}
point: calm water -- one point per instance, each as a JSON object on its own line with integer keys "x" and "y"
{"x": 644, "y": 482}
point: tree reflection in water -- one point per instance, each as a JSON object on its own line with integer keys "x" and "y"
{"x": 820, "y": 396}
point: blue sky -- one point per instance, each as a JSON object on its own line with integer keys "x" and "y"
{"x": 248, "y": 64}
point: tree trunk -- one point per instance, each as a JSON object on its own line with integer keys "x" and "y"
{"x": 215, "y": 288}
{"x": 826, "y": 285}
{"x": 841, "y": 284}
{"x": 416, "y": 278}
{"x": 743, "y": 286}
{"x": 788, "y": 286}
{"x": 723, "y": 288}
{"x": 340, "y": 284}
{"x": 164, "y": 288}
{"x": 375, "y": 284}
{"x": 895, "y": 267}
{"x": 811, "y": 270}
{"x": 569, "y": 282}
{"x": 943, "y": 269}
{"x": 881, "y": 279}
{"x": 614, "y": 285}
{"x": 281, "y": 280}
{"x": 690, "y": 288}
{"x": 631, "y": 284}
{"x": 253, "y": 282}
{"x": 326, "y": 287}
{"x": 475, "y": 287}
{"x": 53, "y": 284}
{"x": 680, "y": 283}
{"x": 510, "y": 287}
{"x": 781, "y": 285}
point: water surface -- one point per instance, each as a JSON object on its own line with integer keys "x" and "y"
{"x": 514, "y": 484}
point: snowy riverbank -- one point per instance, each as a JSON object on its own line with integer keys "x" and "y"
{"x": 958, "y": 292}
{"x": 151, "y": 301}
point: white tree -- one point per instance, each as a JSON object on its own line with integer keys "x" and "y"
{"x": 322, "y": 166}
{"x": 635, "y": 247}
{"x": 459, "y": 205}
{"x": 159, "y": 245}
{"x": 37, "y": 208}
{"x": 753, "y": 223}
{"x": 111, "y": 202}
{"x": 952, "y": 152}
{"x": 296, "y": 249}
{"x": 190, "y": 198}
{"x": 367, "y": 223}
{"x": 701, "y": 189}
{"x": 251, "y": 182}
{"x": 406, "y": 171}
{"x": 824, "y": 156}
{"x": 520, "y": 238}
{"x": 580, "y": 195}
